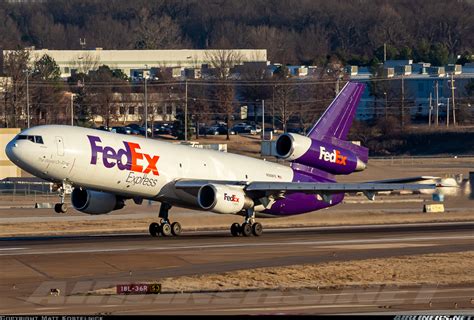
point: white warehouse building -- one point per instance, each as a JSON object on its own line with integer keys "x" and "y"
{"x": 129, "y": 61}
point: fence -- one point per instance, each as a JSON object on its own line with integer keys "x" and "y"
{"x": 27, "y": 191}
{"x": 422, "y": 159}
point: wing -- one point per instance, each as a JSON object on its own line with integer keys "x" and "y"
{"x": 324, "y": 189}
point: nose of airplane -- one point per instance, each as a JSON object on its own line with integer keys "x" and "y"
{"x": 12, "y": 151}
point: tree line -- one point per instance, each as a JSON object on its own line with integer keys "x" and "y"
{"x": 293, "y": 32}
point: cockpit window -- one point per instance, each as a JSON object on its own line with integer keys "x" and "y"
{"x": 34, "y": 139}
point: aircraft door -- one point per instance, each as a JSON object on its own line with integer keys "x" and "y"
{"x": 60, "y": 146}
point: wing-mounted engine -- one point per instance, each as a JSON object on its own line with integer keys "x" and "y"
{"x": 221, "y": 198}
{"x": 317, "y": 154}
{"x": 95, "y": 202}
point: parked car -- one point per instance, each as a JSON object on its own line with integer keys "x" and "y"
{"x": 203, "y": 130}
{"x": 238, "y": 129}
{"x": 218, "y": 130}
{"x": 161, "y": 129}
{"x": 136, "y": 129}
{"x": 122, "y": 130}
{"x": 295, "y": 130}
{"x": 257, "y": 128}
{"x": 104, "y": 128}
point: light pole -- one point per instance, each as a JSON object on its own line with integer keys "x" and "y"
{"x": 28, "y": 72}
{"x": 452, "y": 96}
{"x": 429, "y": 110}
{"x": 386, "y": 104}
{"x": 72, "y": 109}
{"x": 263, "y": 119}
{"x": 186, "y": 112}
{"x": 437, "y": 103}
{"x": 146, "y": 103}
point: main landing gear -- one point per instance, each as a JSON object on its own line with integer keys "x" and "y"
{"x": 249, "y": 227}
{"x": 164, "y": 227}
{"x": 61, "y": 207}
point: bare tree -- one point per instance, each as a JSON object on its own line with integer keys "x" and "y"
{"x": 16, "y": 63}
{"x": 154, "y": 32}
{"x": 222, "y": 61}
{"x": 284, "y": 96}
{"x": 103, "y": 96}
{"x": 85, "y": 63}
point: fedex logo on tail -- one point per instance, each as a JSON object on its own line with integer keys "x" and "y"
{"x": 334, "y": 157}
{"x": 129, "y": 158}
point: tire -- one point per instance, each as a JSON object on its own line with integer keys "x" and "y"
{"x": 246, "y": 230}
{"x": 257, "y": 229}
{"x": 62, "y": 207}
{"x": 235, "y": 229}
{"x": 176, "y": 228}
{"x": 166, "y": 230}
{"x": 154, "y": 229}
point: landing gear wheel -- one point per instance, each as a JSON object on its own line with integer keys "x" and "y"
{"x": 235, "y": 229}
{"x": 166, "y": 229}
{"x": 246, "y": 229}
{"x": 60, "y": 208}
{"x": 154, "y": 229}
{"x": 176, "y": 228}
{"x": 257, "y": 229}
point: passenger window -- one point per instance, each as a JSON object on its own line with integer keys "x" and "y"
{"x": 39, "y": 139}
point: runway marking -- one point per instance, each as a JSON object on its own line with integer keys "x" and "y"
{"x": 246, "y": 245}
{"x": 349, "y": 228}
{"x": 301, "y": 307}
{"x": 414, "y": 290}
{"x": 8, "y": 249}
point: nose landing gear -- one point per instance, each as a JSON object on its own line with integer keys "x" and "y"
{"x": 164, "y": 228}
{"x": 61, "y": 207}
{"x": 249, "y": 227}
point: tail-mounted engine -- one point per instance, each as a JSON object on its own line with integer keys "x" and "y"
{"x": 317, "y": 154}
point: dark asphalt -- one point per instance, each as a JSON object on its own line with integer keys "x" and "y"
{"x": 31, "y": 266}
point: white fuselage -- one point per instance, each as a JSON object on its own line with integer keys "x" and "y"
{"x": 67, "y": 154}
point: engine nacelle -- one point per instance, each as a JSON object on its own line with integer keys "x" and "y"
{"x": 95, "y": 202}
{"x": 317, "y": 154}
{"x": 223, "y": 198}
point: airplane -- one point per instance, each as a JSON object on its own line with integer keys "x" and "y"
{"x": 106, "y": 169}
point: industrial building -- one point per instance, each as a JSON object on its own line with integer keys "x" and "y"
{"x": 422, "y": 83}
{"x": 133, "y": 62}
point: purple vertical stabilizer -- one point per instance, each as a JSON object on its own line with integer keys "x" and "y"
{"x": 337, "y": 119}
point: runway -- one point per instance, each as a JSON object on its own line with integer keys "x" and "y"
{"x": 77, "y": 264}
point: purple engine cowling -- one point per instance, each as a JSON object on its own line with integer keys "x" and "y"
{"x": 317, "y": 154}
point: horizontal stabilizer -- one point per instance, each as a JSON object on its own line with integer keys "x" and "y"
{"x": 408, "y": 179}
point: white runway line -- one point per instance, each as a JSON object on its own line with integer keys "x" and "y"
{"x": 238, "y": 245}
{"x": 7, "y": 249}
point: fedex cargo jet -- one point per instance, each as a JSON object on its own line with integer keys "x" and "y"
{"x": 106, "y": 169}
